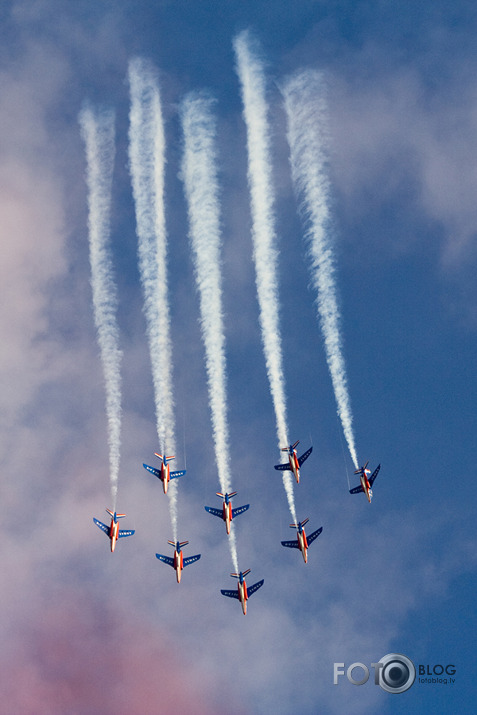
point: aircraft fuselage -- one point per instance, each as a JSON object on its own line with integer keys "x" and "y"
{"x": 227, "y": 515}
{"x": 294, "y": 465}
{"x": 366, "y": 487}
{"x": 178, "y": 564}
{"x": 113, "y": 534}
{"x": 165, "y": 476}
{"x": 243, "y": 596}
{"x": 303, "y": 544}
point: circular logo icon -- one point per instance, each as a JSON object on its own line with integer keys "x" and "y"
{"x": 397, "y": 674}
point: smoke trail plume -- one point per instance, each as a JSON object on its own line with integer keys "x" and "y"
{"x": 97, "y": 131}
{"x": 307, "y": 136}
{"x": 252, "y": 80}
{"x": 202, "y": 193}
{"x": 147, "y": 162}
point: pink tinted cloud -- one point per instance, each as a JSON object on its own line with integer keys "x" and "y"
{"x": 75, "y": 655}
{"x": 32, "y": 230}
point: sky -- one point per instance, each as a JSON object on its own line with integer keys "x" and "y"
{"x": 85, "y": 631}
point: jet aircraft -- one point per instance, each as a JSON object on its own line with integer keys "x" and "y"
{"x": 242, "y": 593}
{"x": 178, "y": 562}
{"x": 366, "y": 483}
{"x": 302, "y": 542}
{"x": 113, "y": 531}
{"x": 294, "y": 462}
{"x": 227, "y": 513}
{"x": 164, "y": 473}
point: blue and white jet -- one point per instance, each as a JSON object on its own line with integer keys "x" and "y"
{"x": 294, "y": 462}
{"x": 178, "y": 562}
{"x": 113, "y": 531}
{"x": 366, "y": 484}
{"x": 227, "y": 513}
{"x": 242, "y": 593}
{"x": 164, "y": 473}
{"x": 302, "y": 542}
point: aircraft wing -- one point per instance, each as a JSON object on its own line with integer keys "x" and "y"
{"x": 314, "y": 535}
{"x": 255, "y": 587}
{"x": 239, "y": 510}
{"x": 190, "y": 560}
{"x": 102, "y": 526}
{"x": 283, "y": 467}
{"x": 230, "y": 594}
{"x": 305, "y": 456}
{"x": 356, "y": 490}
{"x": 167, "y": 559}
{"x": 291, "y": 544}
{"x": 153, "y": 470}
{"x": 174, "y": 475}
{"x": 215, "y": 512}
{"x": 125, "y": 532}
{"x": 374, "y": 475}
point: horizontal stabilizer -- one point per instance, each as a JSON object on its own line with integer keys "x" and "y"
{"x": 314, "y": 535}
{"x": 361, "y": 470}
{"x": 174, "y": 543}
{"x": 290, "y": 447}
{"x": 303, "y": 523}
{"x": 305, "y": 456}
{"x": 118, "y": 516}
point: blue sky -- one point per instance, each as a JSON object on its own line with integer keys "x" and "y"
{"x": 86, "y": 631}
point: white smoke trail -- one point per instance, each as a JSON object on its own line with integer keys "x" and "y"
{"x": 97, "y": 131}
{"x": 199, "y": 174}
{"x": 308, "y": 139}
{"x": 252, "y": 80}
{"x": 147, "y": 162}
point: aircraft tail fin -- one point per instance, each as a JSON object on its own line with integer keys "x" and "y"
{"x": 118, "y": 516}
{"x": 359, "y": 471}
{"x": 164, "y": 457}
{"x": 291, "y": 446}
{"x": 296, "y": 526}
